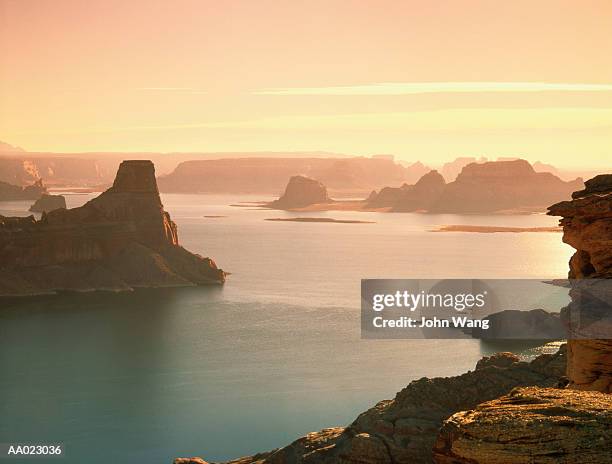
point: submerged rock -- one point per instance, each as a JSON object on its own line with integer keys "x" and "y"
{"x": 528, "y": 425}
{"x": 120, "y": 240}
{"x": 301, "y": 191}
{"x": 48, "y": 203}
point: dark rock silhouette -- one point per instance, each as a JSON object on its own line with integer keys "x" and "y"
{"x": 301, "y": 191}
{"x": 536, "y": 324}
{"x": 120, "y": 240}
{"x": 10, "y": 192}
{"x": 47, "y": 203}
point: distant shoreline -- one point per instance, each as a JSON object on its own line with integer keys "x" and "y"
{"x": 315, "y": 219}
{"x": 493, "y": 229}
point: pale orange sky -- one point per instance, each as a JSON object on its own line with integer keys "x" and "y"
{"x": 427, "y": 80}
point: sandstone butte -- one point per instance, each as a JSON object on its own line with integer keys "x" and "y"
{"x": 301, "y": 191}
{"x": 505, "y": 411}
{"x": 120, "y": 240}
{"x": 47, "y": 203}
{"x": 494, "y": 186}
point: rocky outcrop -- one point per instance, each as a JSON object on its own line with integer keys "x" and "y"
{"x": 408, "y": 198}
{"x": 259, "y": 173}
{"x": 451, "y": 170}
{"x": 502, "y": 185}
{"x": 489, "y": 187}
{"x": 301, "y": 191}
{"x": 47, "y": 203}
{"x": 118, "y": 241}
{"x": 536, "y": 324}
{"x": 403, "y": 430}
{"x": 9, "y": 192}
{"x": 530, "y": 425}
{"x": 587, "y": 226}
{"x": 422, "y": 195}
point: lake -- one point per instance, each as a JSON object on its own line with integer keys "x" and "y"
{"x": 221, "y": 372}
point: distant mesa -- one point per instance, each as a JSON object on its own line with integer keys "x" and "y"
{"x": 9, "y": 192}
{"x": 497, "y": 186}
{"x": 348, "y": 176}
{"x": 320, "y": 219}
{"x": 47, "y": 203}
{"x": 121, "y": 240}
{"x": 301, "y": 191}
{"x": 408, "y": 198}
{"x": 451, "y": 170}
{"x": 8, "y": 148}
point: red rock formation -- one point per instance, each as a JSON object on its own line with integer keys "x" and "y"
{"x": 502, "y": 185}
{"x": 301, "y": 191}
{"x": 587, "y": 226}
{"x": 120, "y": 240}
{"x": 530, "y": 425}
{"x": 407, "y": 198}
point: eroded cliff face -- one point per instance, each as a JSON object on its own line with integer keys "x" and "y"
{"x": 530, "y": 425}
{"x": 404, "y": 430}
{"x": 587, "y": 226}
{"x": 301, "y": 191}
{"x": 120, "y": 240}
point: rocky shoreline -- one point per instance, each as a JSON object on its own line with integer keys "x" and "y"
{"x": 505, "y": 411}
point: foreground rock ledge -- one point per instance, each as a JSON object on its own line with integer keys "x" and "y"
{"x": 530, "y": 425}
{"x": 404, "y": 430}
{"x": 121, "y": 240}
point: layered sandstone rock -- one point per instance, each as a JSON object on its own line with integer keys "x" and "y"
{"x": 502, "y": 185}
{"x": 301, "y": 191}
{"x": 403, "y": 430}
{"x": 118, "y": 241}
{"x": 587, "y": 226}
{"x": 408, "y": 198}
{"x": 530, "y": 425}
{"x": 47, "y": 203}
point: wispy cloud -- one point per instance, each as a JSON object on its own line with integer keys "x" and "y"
{"x": 411, "y": 88}
{"x": 185, "y": 90}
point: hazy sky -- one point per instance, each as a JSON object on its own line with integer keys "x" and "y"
{"x": 426, "y": 80}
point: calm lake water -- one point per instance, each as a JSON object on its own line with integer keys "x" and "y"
{"x": 227, "y": 371}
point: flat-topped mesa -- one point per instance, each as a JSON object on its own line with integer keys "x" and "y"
{"x": 502, "y": 185}
{"x": 587, "y": 226}
{"x": 120, "y": 240}
{"x": 301, "y": 191}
